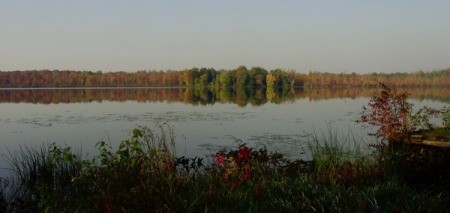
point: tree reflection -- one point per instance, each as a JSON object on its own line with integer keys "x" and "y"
{"x": 204, "y": 96}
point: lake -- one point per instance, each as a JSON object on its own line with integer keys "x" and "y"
{"x": 204, "y": 120}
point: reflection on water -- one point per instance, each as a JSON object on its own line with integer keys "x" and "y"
{"x": 242, "y": 97}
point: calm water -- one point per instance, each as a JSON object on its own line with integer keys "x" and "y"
{"x": 203, "y": 120}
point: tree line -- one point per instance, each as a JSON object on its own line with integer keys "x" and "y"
{"x": 209, "y": 77}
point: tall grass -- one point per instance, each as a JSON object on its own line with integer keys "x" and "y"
{"x": 37, "y": 178}
{"x": 341, "y": 158}
{"x": 330, "y": 145}
{"x": 3, "y": 201}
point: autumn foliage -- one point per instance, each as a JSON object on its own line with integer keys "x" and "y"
{"x": 391, "y": 112}
{"x": 209, "y": 77}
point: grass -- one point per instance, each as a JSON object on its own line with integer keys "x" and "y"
{"x": 144, "y": 174}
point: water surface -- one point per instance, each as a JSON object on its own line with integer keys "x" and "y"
{"x": 204, "y": 120}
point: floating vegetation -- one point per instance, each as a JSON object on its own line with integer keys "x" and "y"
{"x": 149, "y": 117}
{"x": 292, "y": 145}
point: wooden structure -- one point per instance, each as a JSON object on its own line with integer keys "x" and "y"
{"x": 429, "y": 140}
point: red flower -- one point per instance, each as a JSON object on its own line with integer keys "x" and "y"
{"x": 236, "y": 184}
{"x": 220, "y": 156}
{"x": 247, "y": 176}
{"x": 244, "y": 152}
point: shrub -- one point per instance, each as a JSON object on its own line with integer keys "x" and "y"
{"x": 393, "y": 115}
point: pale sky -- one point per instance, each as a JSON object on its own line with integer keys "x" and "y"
{"x": 327, "y": 36}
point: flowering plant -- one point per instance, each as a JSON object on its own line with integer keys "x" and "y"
{"x": 245, "y": 168}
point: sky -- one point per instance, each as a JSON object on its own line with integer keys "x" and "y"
{"x": 326, "y": 36}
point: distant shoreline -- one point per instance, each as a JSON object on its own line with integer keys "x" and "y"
{"x": 240, "y": 77}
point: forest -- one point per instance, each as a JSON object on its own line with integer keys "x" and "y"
{"x": 209, "y": 77}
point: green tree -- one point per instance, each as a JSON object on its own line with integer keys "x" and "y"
{"x": 227, "y": 78}
{"x": 257, "y": 77}
{"x": 190, "y": 76}
{"x": 206, "y": 77}
{"x": 241, "y": 77}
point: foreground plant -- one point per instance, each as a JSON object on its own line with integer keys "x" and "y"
{"x": 56, "y": 178}
{"x": 246, "y": 168}
{"x": 144, "y": 175}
